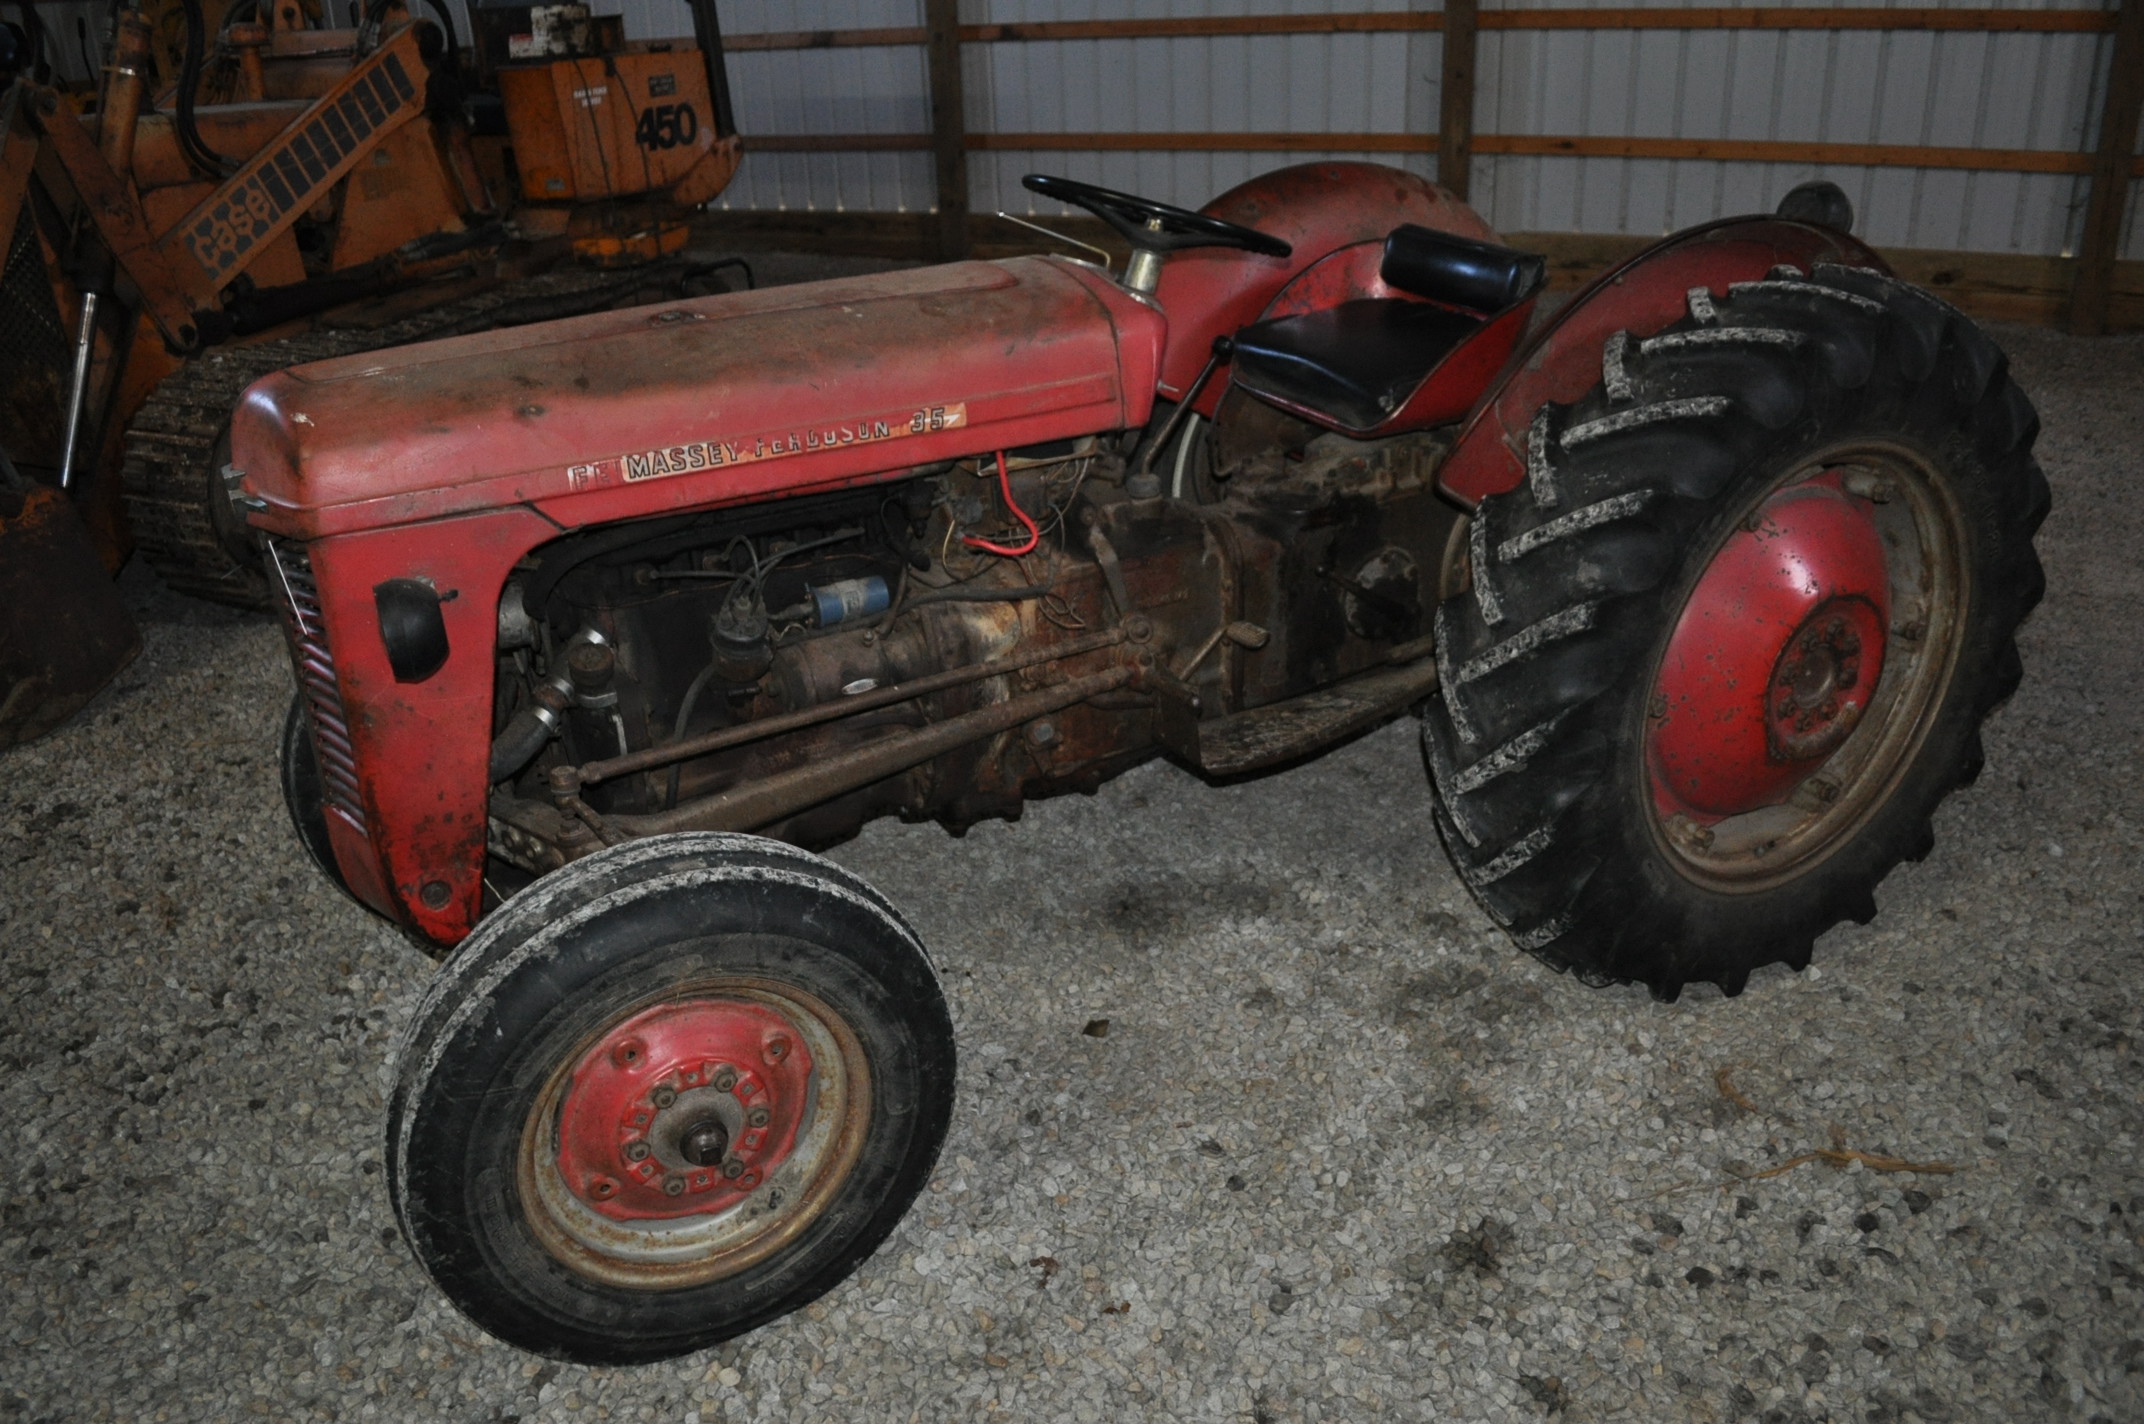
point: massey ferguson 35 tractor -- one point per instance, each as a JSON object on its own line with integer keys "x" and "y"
{"x": 1702, "y": 592}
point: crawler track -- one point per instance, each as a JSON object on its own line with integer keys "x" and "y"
{"x": 175, "y": 445}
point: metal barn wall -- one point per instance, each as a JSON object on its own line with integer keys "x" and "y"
{"x": 1962, "y": 90}
{"x": 1939, "y": 89}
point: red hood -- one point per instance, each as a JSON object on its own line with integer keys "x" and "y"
{"x": 719, "y": 400}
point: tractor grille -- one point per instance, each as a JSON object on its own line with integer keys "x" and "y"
{"x": 316, "y": 676}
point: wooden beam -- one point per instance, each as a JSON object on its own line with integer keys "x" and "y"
{"x": 825, "y": 39}
{"x": 2112, "y": 167}
{"x": 1865, "y": 155}
{"x": 1455, "y": 105}
{"x": 1799, "y": 18}
{"x": 2001, "y": 20}
{"x": 843, "y": 143}
{"x": 949, "y": 126}
{"x": 1208, "y": 27}
{"x": 1873, "y": 155}
{"x": 1252, "y": 142}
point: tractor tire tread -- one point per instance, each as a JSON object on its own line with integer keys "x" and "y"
{"x": 1568, "y": 569}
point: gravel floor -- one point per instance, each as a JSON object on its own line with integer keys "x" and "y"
{"x": 1342, "y": 1154}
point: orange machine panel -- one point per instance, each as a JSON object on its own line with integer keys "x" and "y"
{"x": 634, "y": 122}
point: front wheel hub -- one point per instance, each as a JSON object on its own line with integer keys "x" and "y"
{"x": 683, "y": 1109}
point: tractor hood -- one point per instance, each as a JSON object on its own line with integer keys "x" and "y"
{"x": 719, "y": 400}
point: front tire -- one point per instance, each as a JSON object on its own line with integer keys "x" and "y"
{"x": 1713, "y": 665}
{"x": 305, "y": 794}
{"x": 666, "y": 1095}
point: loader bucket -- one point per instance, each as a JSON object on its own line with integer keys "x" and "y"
{"x": 64, "y": 631}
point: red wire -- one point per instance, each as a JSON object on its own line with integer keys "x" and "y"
{"x": 1034, "y": 534}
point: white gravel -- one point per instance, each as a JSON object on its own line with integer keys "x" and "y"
{"x": 1341, "y": 1155}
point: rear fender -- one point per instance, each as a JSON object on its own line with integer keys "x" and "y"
{"x": 1336, "y": 217}
{"x": 1650, "y": 291}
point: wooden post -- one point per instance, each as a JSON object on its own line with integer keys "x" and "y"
{"x": 949, "y": 126}
{"x": 1455, "y": 119}
{"x": 2094, "y": 284}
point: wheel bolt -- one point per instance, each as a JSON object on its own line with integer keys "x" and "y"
{"x": 673, "y": 1186}
{"x": 628, "y": 1053}
{"x": 777, "y": 1049}
{"x": 758, "y": 1117}
{"x": 733, "y": 1167}
{"x": 725, "y": 1079}
{"x": 636, "y": 1151}
{"x": 664, "y": 1096}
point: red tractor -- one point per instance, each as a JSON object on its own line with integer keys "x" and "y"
{"x": 1702, "y": 590}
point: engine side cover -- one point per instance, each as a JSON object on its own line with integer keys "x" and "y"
{"x": 720, "y": 400}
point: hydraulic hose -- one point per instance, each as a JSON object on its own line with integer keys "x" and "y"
{"x": 197, "y": 152}
{"x": 519, "y": 741}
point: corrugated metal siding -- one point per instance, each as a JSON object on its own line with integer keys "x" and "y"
{"x": 1287, "y": 83}
{"x": 1940, "y": 89}
{"x": 63, "y": 37}
{"x": 874, "y": 90}
{"x": 1934, "y": 89}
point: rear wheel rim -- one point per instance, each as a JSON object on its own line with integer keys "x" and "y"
{"x": 671, "y": 1202}
{"x": 1777, "y": 726}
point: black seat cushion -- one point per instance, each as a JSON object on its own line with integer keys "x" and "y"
{"x": 1460, "y": 271}
{"x": 1354, "y": 363}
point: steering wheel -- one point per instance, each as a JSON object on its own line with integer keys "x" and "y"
{"x": 1150, "y": 226}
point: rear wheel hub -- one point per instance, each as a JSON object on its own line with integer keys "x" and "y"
{"x": 1801, "y": 666}
{"x": 1817, "y": 693}
{"x": 1775, "y": 656}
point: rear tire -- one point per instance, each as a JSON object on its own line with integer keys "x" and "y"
{"x": 765, "y": 994}
{"x": 1612, "y": 829}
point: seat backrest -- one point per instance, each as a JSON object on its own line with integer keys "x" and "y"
{"x": 1459, "y": 271}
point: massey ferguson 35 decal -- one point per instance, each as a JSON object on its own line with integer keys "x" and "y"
{"x": 717, "y": 454}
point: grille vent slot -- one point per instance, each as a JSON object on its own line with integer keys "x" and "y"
{"x": 315, "y": 668}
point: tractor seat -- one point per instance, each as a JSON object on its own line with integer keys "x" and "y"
{"x": 1356, "y": 364}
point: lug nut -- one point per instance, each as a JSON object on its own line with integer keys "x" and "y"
{"x": 664, "y": 1096}
{"x": 733, "y": 1167}
{"x": 725, "y": 1079}
{"x": 705, "y": 1142}
{"x": 758, "y": 1117}
{"x": 673, "y": 1186}
{"x": 636, "y": 1151}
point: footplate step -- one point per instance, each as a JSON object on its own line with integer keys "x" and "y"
{"x": 1268, "y": 736}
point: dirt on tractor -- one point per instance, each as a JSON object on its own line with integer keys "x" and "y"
{"x": 1338, "y": 1152}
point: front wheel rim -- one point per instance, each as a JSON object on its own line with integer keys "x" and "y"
{"x": 601, "y": 1192}
{"x": 1805, "y": 668}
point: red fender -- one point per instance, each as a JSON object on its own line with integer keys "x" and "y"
{"x": 1336, "y": 211}
{"x": 1643, "y": 295}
